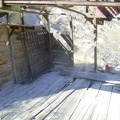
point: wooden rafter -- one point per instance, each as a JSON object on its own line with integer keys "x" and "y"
{"x": 55, "y": 3}
{"x": 72, "y": 10}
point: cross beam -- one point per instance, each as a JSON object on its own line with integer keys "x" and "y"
{"x": 57, "y": 3}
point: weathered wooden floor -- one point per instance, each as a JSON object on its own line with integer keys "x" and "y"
{"x": 55, "y": 97}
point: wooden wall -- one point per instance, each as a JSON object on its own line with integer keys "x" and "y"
{"x": 18, "y": 57}
{"x": 5, "y": 63}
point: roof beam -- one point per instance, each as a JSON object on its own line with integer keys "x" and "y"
{"x": 55, "y": 3}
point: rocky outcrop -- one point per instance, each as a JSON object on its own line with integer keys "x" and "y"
{"x": 108, "y": 39}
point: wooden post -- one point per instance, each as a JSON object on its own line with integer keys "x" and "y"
{"x": 26, "y": 52}
{"x": 71, "y": 36}
{"x": 1, "y": 3}
{"x": 71, "y": 31}
{"x": 95, "y": 45}
{"x": 11, "y": 52}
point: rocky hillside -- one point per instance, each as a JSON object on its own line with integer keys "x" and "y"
{"x": 108, "y": 38}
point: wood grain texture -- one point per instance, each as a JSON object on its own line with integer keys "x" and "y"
{"x": 5, "y": 63}
{"x": 53, "y": 96}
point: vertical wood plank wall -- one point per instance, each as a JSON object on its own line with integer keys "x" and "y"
{"x": 38, "y": 54}
{"x": 5, "y": 63}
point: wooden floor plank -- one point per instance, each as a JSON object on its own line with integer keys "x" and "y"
{"x": 114, "y": 109}
{"x": 64, "y": 111}
{"x": 42, "y": 98}
{"x": 6, "y": 86}
{"x": 8, "y": 90}
{"x": 96, "y": 106}
{"x": 86, "y": 101}
{"x": 105, "y": 105}
{"x": 22, "y": 90}
{"x": 63, "y": 95}
{"x": 27, "y": 93}
{"x": 13, "y": 93}
{"x": 103, "y": 77}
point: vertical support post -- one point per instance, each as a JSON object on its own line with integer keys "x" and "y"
{"x": 1, "y": 3}
{"x": 71, "y": 36}
{"x": 26, "y": 52}
{"x": 46, "y": 24}
{"x": 71, "y": 31}
{"x": 50, "y": 40}
{"x": 11, "y": 51}
{"x": 95, "y": 45}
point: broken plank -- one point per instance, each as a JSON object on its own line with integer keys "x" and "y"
{"x": 103, "y": 77}
{"x": 65, "y": 93}
{"x": 62, "y": 96}
{"x": 22, "y": 90}
{"x": 65, "y": 112}
{"x": 86, "y": 101}
{"x": 35, "y": 110}
{"x": 62, "y": 41}
{"x": 105, "y": 105}
{"x": 37, "y": 96}
{"x": 1, "y": 3}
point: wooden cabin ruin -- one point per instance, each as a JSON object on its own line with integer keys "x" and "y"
{"x": 59, "y": 60}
